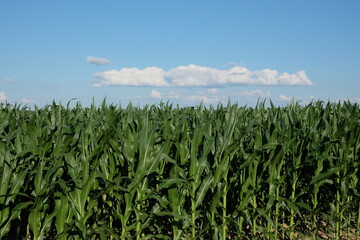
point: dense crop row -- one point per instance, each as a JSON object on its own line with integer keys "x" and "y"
{"x": 166, "y": 172}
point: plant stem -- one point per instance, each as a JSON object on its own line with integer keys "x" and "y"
{"x": 224, "y": 214}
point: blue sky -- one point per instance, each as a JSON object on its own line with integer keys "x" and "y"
{"x": 181, "y": 51}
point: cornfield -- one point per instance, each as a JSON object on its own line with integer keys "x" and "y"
{"x": 166, "y": 172}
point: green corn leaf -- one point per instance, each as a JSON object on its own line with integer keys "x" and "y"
{"x": 291, "y": 205}
{"x": 325, "y": 175}
{"x": 35, "y": 221}
{"x": 204, "y": 187}
{"x": 177, "y": 216}
{"x": 18, "y": 182}
{"x": 167, "y": 183}
{"x": 267, "y": 217}
{"x": 14, "y": 214}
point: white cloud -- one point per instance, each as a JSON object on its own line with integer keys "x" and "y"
{"x": 165, "y": 95}
{"x": 97, "y": 85}
{"x": 2, "y": 97}
{"x": 282, "y": 97}
{"x": 204, "y": 99}
{"x": 255, "y": 93}
{"x": 197, "y": 76}
{"x": 173, "y": 95}
{"x": 182, "y": 97}
{"x": 151, "y": 76}
{"x": 7, "y": 80}
{"x": 97, "y": 60}
{"x": 212, "y": 91}
{"x": 155, "y": 94}
{"x": 25, "y": 100}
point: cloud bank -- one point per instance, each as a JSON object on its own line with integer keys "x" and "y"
{"x": 199, "y": 76}
{"x": 97, "y": 60}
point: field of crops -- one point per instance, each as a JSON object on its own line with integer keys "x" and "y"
{"x": 165, "y": 172}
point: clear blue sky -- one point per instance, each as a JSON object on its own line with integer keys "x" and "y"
{"x": 181, "y": 51}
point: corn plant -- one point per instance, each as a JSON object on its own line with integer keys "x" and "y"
{"x": 166, "y": 172}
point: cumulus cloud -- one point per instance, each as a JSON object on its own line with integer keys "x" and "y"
{"x": 2, "y": 97}
{"x": 282, "y": 97}
{"x": 97, "y": 60}
{"x": 199, "y": 76}
{"x": 155, "y": 94}
{"x": 151, "y": 76}
{"x": 7, "y": 80}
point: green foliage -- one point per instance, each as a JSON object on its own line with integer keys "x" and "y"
{"x": 165, "y": 172}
